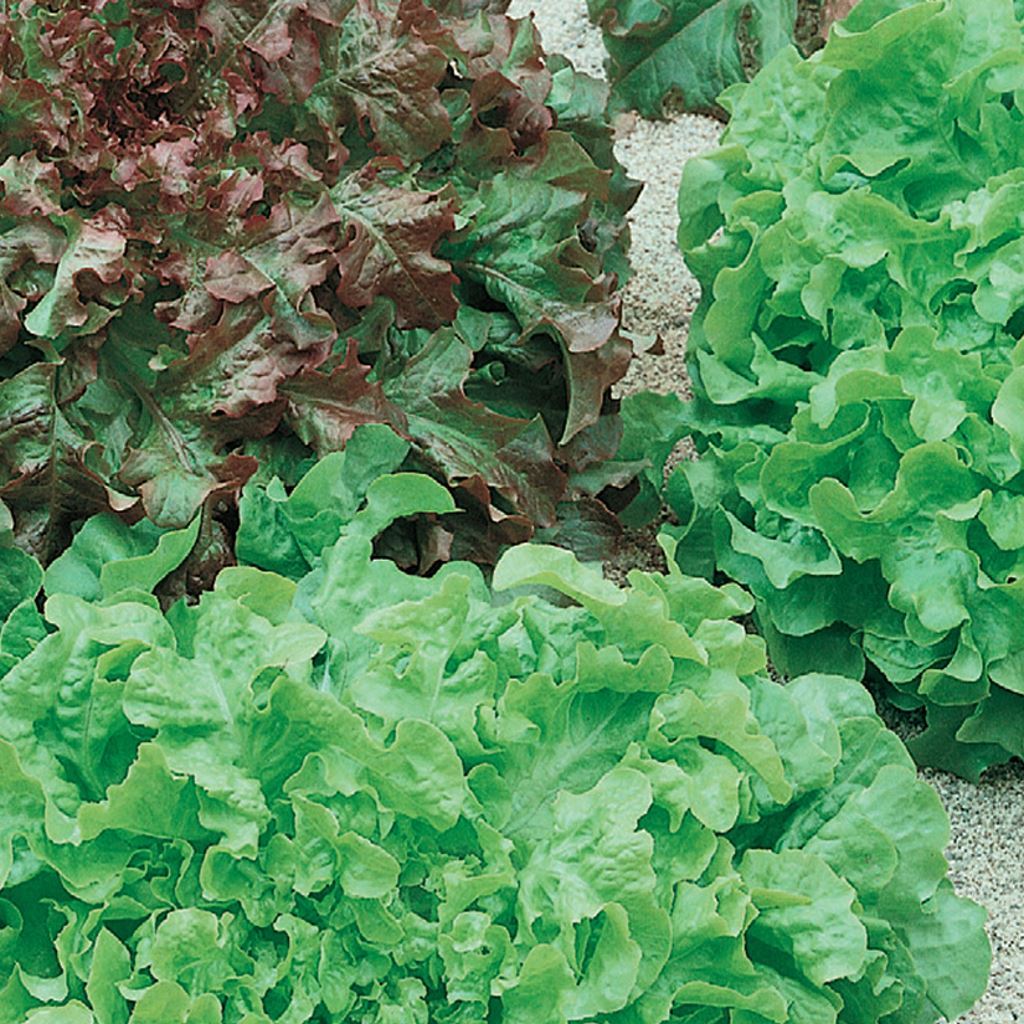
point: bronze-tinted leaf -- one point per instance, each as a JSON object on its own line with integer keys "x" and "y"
{"x": 90, "y": 249}
{"x": 389, "y": 237}
{"x": 200, "y": 198}
{"x": 50, "y": 470}
{"x": 381, "y": 72}
{"x": 325, "y": 408}
{"x": 28, "y": 243}
{"x": 467, "y": 441}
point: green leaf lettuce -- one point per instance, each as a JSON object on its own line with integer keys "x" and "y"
{"x": 338, "y": 791}
{"x": 856, "y": 362}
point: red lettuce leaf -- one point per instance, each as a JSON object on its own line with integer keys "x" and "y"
{"x": 230, "y": 230}
{"x": 390, "y": 234}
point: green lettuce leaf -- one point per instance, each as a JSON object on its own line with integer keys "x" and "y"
{"x": 685, "y": 50}
{"x": 349, "y": 792}
{"x": 857, "y": 365}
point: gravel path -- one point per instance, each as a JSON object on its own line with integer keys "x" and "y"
{"x": 986, "y": 852}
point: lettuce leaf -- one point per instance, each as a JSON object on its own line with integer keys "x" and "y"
{"x": 340, "y": 791}
{"x": 857, "y": 364}
{"x": 686, "y": 51}
{"x": 233, "y": 233}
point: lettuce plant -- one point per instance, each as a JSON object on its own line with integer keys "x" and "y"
{"x": 688, "y": 51}
{"x": 334, "y": 791}
{"x": 858, "y": 365}
{"x": 232, "y": 232}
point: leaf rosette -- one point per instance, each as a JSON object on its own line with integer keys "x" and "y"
{"x": 236, "y": 231}
{"x": 858, "y": 365}
{"x": 336, "y": 791}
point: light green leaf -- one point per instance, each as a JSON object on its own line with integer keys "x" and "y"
{"x": 806, "y": 910}
{"x": 106, "y": 557}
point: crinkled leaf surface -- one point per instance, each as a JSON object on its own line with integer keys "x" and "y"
{"x": 224, "y": 226}
{"x": 857, "y": 363}
{"x": 332, "y": 790}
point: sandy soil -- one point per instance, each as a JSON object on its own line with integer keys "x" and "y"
{"x": 986, "y": 852}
